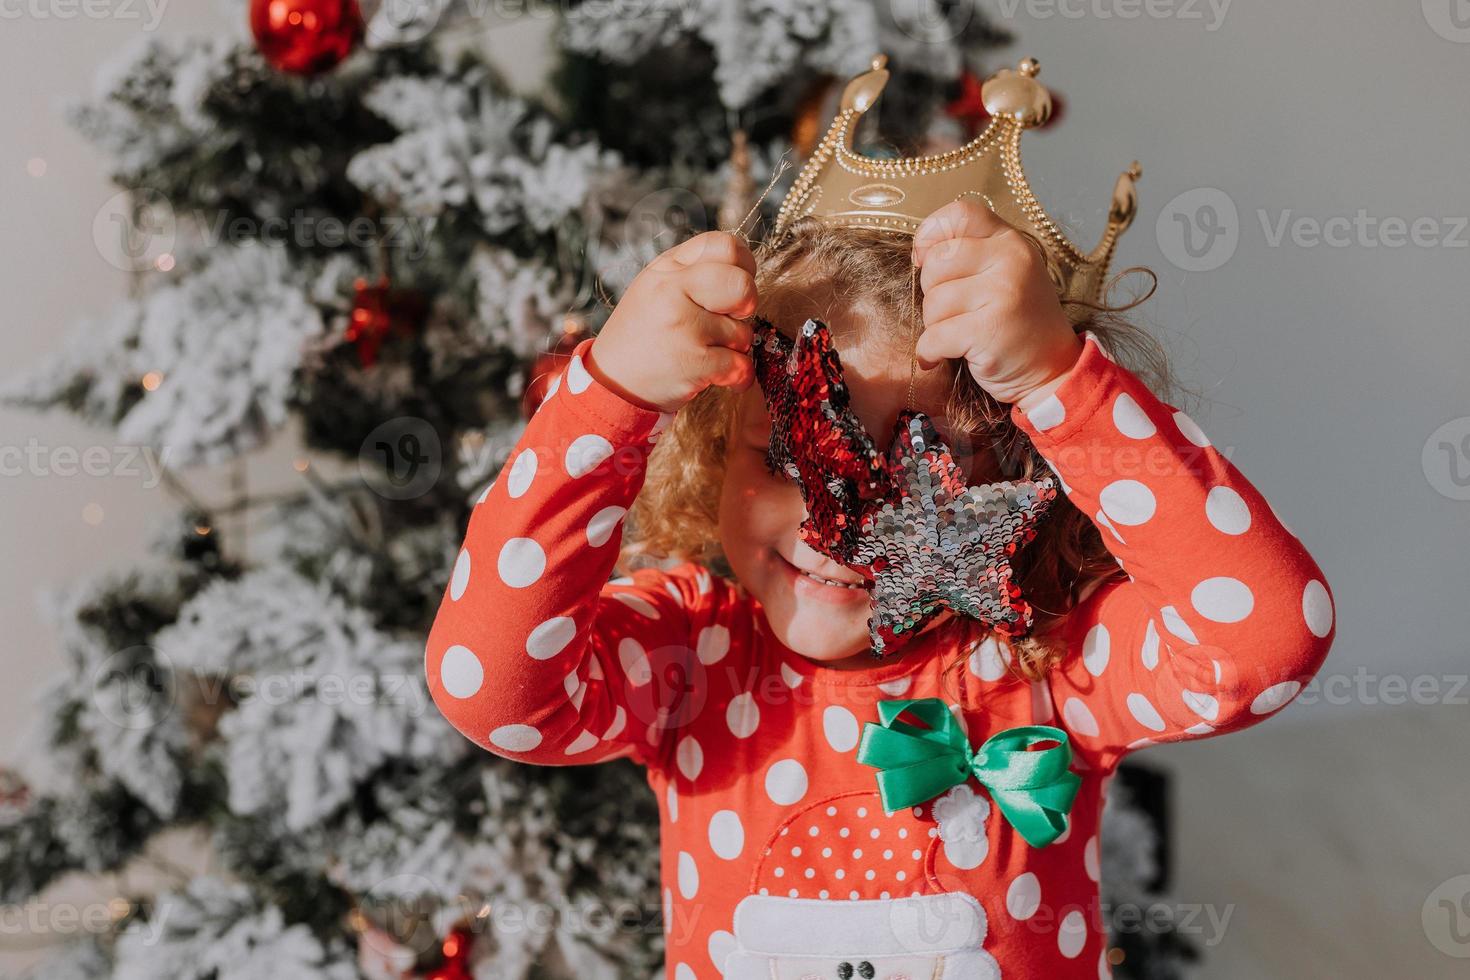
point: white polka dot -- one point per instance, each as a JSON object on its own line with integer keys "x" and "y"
{"x": 668, "y": 910}
{"x": 1096, "y": 648}
{"x": 786, "y": 782}
{"x": 688, "y": 875}
{"x": 1090, "y": 861}
{"x": 841, "y": 728}
{"x": 461, "y": 578}
{"x": 522, "y": 471}
{"x": 1144, "y": 712}
{"x": 634, "y": 661}
{"x": 551, "y": 637}
{"x": 578, "y": 377}
{"x": 712, "y": 644}
{"x": 1079, "y": 717}
{"x": 684, "y": 972}
{"x": 1204, "y": 705}
{"x": 1130, "y": 419}
{"x": 790, "y": 675}
{"x": 1049, "y": 414}
{"x": 1150, "y": 652}
{"x": 897, "y": 687}
{"x": 1104, "y": 972}
{"x": 1128, "y": 502}
{"x": 1174, "y": 623}
{"x": 1227, "y": 511}
{"x": 636, "y": 603}
{"x": 551, "y": 389}
{"x": 689, "y": 756}
{"x": 990, "y": 659}
{"x": 1317, "y": 608}
{"x": 602, "y": 525}
{"x": 586, "y": 453}
{"x": 671, "y": 797}
{"x": 1023, "y": 898}
{"x": 721, "y": 945}
{"x": 583, "y": 742}
{"x": 521, "y": 562}
{"x": 1072, "y": 934}
{"x": 726, "y": 835}
{"x": 619, "y": 722}
{"x": 1274, "y": 697}
{"x": 743, "y": 715}
{"x": 1222, "y": 599}
{"x": 1189, "y": 430}
{"x": 485, "y": 493}
{"x": 515, "y": 738}
{"x": 461, "y": 672}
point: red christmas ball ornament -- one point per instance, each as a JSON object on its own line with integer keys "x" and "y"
{"x": 456, "y": 950}
{"x": 967, "y": 107}
{"x": 549, "y": 364}
{"x": 380, "y": 311}
{"x": 304, "y": 37}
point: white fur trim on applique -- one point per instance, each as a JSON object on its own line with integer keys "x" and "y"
{"x": 969, "y": 965}
{"x": 952, "y": 922}
{"x": 961, "y": 814}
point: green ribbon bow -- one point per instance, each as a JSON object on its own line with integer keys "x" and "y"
{"x": 1033, "y": 789}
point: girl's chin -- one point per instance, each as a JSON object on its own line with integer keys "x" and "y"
{"x": 824, "y": 638}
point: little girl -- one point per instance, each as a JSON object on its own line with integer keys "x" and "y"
{"x": 1170, "y": 601}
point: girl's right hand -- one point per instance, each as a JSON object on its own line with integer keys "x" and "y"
{"x": 680, "y": 326}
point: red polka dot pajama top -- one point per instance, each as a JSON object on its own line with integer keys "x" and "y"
{"x": 778, "y": 860}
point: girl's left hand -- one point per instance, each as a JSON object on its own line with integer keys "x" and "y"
{"x": 988, "y": 299}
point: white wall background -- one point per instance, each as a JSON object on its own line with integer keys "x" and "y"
{"x": 1325, "y": 369}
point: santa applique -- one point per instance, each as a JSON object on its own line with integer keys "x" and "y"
{"x": 846, "y": 891}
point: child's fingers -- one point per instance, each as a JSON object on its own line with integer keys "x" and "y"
{"x": 711, "y": 246}
{"x": 953, "y": 297}
{"x": 953, "y": 337}
{"x": 719, "y": 288}
{"x": 968, "y": 217}
{"x": 728, "y": 368}
{"x": 956, "y": 258}
{"x": 725, "y": 331}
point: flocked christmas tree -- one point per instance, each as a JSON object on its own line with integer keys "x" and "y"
{"x": 385, "y": 250}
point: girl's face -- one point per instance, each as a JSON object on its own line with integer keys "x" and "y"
{"x": 815, "y": 606}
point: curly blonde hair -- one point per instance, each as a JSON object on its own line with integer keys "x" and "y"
{"x": 677, "y": 514}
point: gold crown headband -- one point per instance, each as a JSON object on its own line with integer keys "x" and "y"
{"x": 843, "y": 187}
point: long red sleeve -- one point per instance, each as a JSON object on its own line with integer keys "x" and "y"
{"x": 534, "y": 655}
{"x": 1225, "y": 616}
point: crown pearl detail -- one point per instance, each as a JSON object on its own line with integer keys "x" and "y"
{"x": 843, "y": 187}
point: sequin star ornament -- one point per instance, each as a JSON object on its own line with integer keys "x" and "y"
{"x": 941, "y": 544}
{"x": 816, "y": 440}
